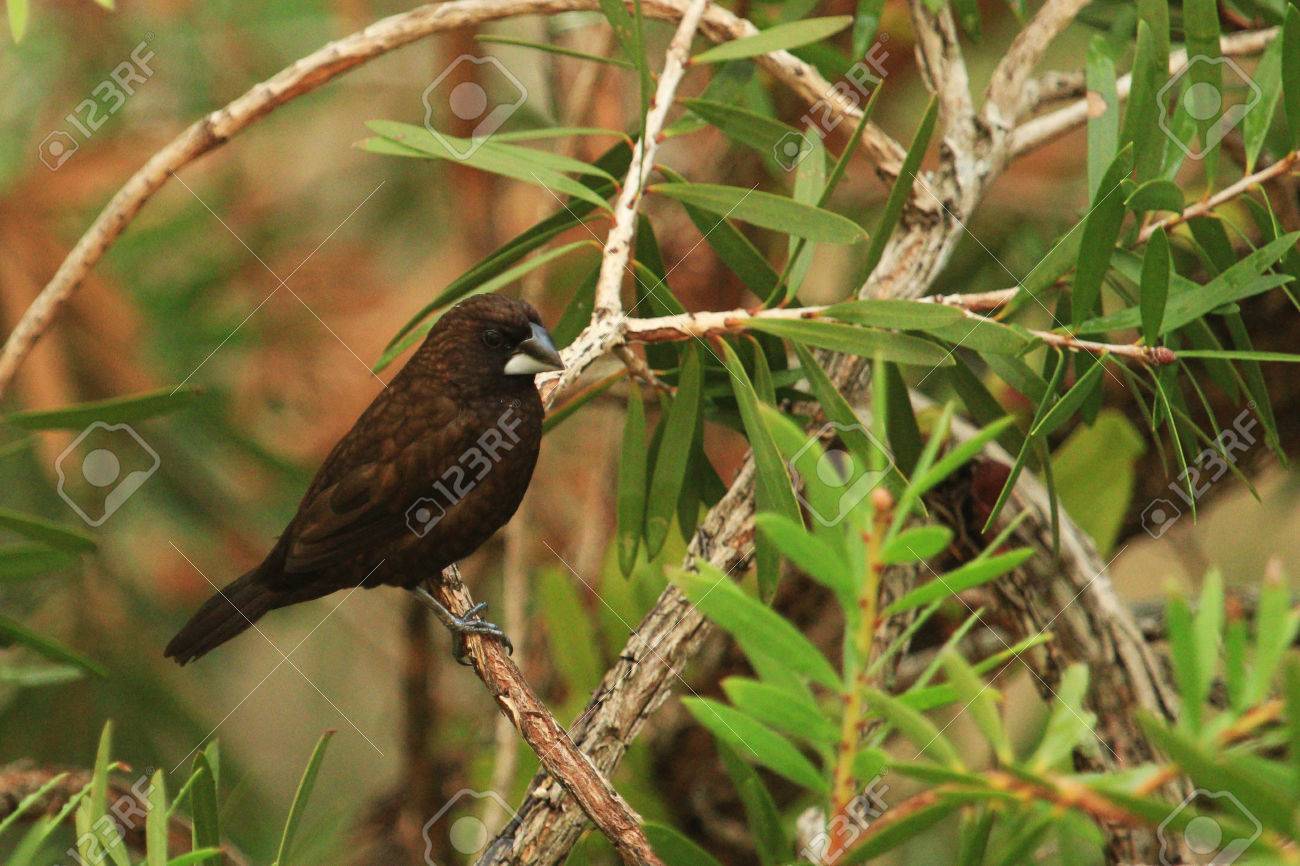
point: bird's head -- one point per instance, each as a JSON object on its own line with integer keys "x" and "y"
{"x": 495, "y": 335}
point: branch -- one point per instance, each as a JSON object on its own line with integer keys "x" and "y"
{"x": 1040, "y": 130}
{"x": 686, "y": 326}
{"x": 1008, "y": 96}
{"x": 558, "y": 755}
{"x": 618, "y": 246}
{"x": 1205, "y": 206}
{"x": 327, "y": 63}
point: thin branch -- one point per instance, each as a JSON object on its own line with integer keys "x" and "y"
{"x": 1040, "y": 130}
{"x": 618, "y": 245}
{"x": 1008, "y": 95}
{"x": 685, "y": 326}
{"x": 1228, "y": 193}
{"x": 539, "y": 728}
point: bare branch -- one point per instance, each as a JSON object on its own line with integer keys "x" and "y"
{"x": 1228, "y": 193}
{"x": 1008, "y": 97}
{"x": 1040, "y": 130}
{"x": 618, "y": 245}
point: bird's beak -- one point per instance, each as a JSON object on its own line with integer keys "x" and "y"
{"x": 537, "y": 354}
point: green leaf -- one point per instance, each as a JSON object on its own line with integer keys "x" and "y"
{"x": 1255, "y": 125}
{"x": 755, "y": 741}
{"x": 766, "y": 210}
{"x": 18, "y": 14}
{"x": 780, "y": 709}
{"x": 577, "y": 314}
{"x": 155, "y": 826}
{"x": 17, "y": 632}
{"x": 551, "y": 48}
{"x": 978, "y": 700}
{"x": 778, "y": 38}
{"x": 26, "y": 561}
{"x": 1291, "y": 72}
{"x": 855, "y": 340}
{"x": 968, "y": 14}
{"x": 1069, "y": 725}
{"x": 118, "y": 410}
{"x": 35, "y": 676}
{"x": 1103, "y": 114}
{"x": 770, "y": 839}
{"x": 631, "y": 483}
{"x": 55, "y": 535}
{"x": 674, "y": 452}
{"x": 902, "y": 188}
{"x": 31, "y": 800}
{"x": 758, "y": 131}
{"x": 571, "y": 635}
{"x": 675, "y": 849}
{"x": 911, "y": 826}
{"x": 206, "y": 829}
{"x": 773, "y": 488}
{"x": 1100, "y": 231}
{"x": 895, "y": 313}
{"x": 1204, "y": 80}
{"x": 300, "y": 800}
{"x": 972, "y": 574}
{"x": 1154, "y": 288}
{"x": 986, "y": 336}
{"x": 916, "y": 544}
{"x": 810, "y": 554}
{"x": 920, "y": 731}
{"x": 1158, "y": 194}
{"x": 536, "y": 167}
{"x": 753, "y": 624}
{"x": 866, "y": 21}
{"x": 1142, "y": 113}
{"x": 1063, "y": 409}
{"x": 1095, "y": 472}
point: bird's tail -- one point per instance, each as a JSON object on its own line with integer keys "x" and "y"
{"x": 222, "y": 617}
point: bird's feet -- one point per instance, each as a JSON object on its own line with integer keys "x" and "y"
{"x": 460, "y": 626}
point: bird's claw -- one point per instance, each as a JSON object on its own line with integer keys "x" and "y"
{"x": 470, "y": 623}
{"x": 473, "y": 623}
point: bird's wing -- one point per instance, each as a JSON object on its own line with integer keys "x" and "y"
{"x": 360, "y": 496}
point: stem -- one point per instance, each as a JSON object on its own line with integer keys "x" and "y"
{"x": 852, "y": 724}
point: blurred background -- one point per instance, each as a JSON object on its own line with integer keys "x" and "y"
{"x": 192, "y": 295}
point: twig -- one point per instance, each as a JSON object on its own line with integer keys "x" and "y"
{"x": 1008, "y": 95}
{"x": 690, "y": 325}
{"x": 618, "y": 245}
{"x": 1228, "y": 193}
{"x": 539, "y": 728}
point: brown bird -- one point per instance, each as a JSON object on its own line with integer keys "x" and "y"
{"x": 434, "y": 466}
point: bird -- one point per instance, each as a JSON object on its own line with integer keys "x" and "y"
{"x": 434, "y": 466}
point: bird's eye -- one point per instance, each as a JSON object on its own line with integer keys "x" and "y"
{"x": 492, "y": 338}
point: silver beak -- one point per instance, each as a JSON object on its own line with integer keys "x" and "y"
{"x": 535, "y": 355}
